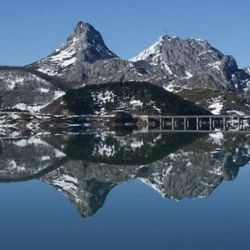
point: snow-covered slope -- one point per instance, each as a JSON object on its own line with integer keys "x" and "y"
{"x": 194, "y": 171}
{"x": 23, "y": 90}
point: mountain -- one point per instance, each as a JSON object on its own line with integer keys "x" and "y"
{"x": 195, "y": 70}
{"x": 189, "y": 67}
{"x": 193, "y": 63}
{"x": 170, "y": 62}
{"x": 85, "y": 44}
{"x": 184, "y": 66}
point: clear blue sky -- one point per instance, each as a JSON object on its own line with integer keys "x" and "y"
{"x": 30, "y": 29}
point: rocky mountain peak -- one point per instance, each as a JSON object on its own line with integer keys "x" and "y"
{"x": 85, "y": 35}
{"x": 85, "y": 44}
{"x": 182, "y": 59}
{"x": 175, "y": 50}
{"x": 83, "y": 27}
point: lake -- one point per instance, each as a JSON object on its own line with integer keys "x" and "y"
{"x": 119, "y": 190}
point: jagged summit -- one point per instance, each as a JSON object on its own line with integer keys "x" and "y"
{"x": 172, "y": 50}
{"x": 86, "y": 36}
{"x": 85, "y": 44}
{"x": 194, "y": 62}
{"x": 82, "y": 27}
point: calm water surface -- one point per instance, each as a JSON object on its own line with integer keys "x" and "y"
{"x": 116, "y": 191}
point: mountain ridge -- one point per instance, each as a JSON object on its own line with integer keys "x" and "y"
{"x": 178, "y": 65}
{"x": 170, "y": 61}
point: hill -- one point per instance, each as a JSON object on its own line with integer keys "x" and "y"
{"x": 138, "y": 98}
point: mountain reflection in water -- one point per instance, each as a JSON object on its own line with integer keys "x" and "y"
{"x": 87, "y": 167}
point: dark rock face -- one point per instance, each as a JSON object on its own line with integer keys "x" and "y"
{"x": 102, "y": 71}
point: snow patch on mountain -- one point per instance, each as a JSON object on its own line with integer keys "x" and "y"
{"x": 215, "y": 65}
{"x": 247, "y": 70}
{"x": 61, "y": 58}
{"x": 188, "y": 75}
{"x": 136, "y": 103}
{"x": 216, "y": 106}
{"x": 153, "y": 51}
{"x": 36, "y": 107}
{"x": 216, "y": 138}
